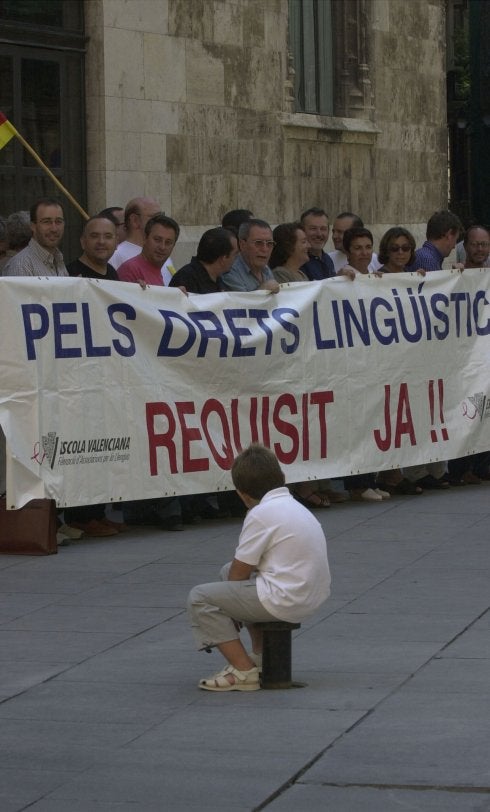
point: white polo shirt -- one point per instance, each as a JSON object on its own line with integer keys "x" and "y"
{"x": 287, "y": 545}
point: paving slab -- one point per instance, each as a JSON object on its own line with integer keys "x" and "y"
{"x": 372, "y": 799}
{"x": 99, "y": 705}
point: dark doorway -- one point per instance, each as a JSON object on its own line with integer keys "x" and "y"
{"x": 41, "y": 92}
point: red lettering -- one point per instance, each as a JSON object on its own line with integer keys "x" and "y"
{"x": 266, "y": 437}
{"x": 160, "y": 440}
{"x": 321, "y": 399}
{"x": 189, "y": 435}
{"x": 306, "y": 428}
{"x": 404, "y": 422}
{"x": 288, "y": 429}
{"x": 253, "y": 420}
{"x": 235, "y": 425}
{"x": 225, "y": 462}
{"x": 404, "y": 426}
{"x": 384, "y": 443}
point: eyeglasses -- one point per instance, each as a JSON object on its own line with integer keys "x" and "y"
{"x": 394, "y": 249}
{"x": 481, "y": 244}
{"x": 264, "y": 243}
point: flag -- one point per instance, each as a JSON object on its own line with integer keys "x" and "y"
{"x": 7, "y": 130}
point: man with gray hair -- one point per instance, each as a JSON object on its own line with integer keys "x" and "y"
{"x": 250, "y": 270}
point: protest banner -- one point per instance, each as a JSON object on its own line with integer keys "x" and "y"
{"x": 110, "y": 392}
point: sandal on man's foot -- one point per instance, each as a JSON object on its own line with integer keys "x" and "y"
{"x": 431, "y": 483}
{"x": 231, "y": 679}
{"x": 313, "y": 500}
{"x": 406, "y": 488}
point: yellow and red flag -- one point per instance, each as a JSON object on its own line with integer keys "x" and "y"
{"x": 7, "y": 130}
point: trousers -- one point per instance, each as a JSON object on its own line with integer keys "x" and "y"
{"x": 214, "y": 607}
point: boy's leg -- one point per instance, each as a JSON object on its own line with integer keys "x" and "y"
{"x": 213, "y": 608}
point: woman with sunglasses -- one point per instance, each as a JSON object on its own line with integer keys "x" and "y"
{"x": 397, "y": 250}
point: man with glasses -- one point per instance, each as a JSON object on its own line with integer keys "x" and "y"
{"x": 476, "y": 244}
{"x": 250, "y": 270}
{"x": 41, "y": 257}
{"x": 116, "y": 215}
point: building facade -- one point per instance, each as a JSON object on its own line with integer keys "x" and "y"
{"x": 272, "y": 105}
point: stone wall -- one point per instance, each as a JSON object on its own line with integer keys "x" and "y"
{"x": 189, "y": 101}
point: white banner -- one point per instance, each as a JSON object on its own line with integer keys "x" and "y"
{"x": 110, "y": 392}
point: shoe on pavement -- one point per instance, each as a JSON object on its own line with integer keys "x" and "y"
{"x": 431, "y": 483}
{"x": 336, "y": 497}
{"x": 383, "y": 494}
{"x": 231, "y": 679}
{"x": 120, "y": 527}
{"x": 469, "y": 478}
{"x": 71, "y": 532}
{"x": 370, "y": 495}
{"x": 171, "y": 523}
{"x": 95, "y": 528}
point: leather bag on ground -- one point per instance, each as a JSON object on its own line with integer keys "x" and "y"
{"x": 30, "y": 530}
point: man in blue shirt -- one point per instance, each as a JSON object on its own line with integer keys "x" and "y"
{"x": 250, "y": 270}
{"x": 442, "y": 235}
{"x": 315, "y": 224}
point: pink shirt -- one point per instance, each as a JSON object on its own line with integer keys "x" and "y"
{"x": 139, "y": 268}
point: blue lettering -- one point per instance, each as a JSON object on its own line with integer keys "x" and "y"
{"x": 435, "y": 300}
{"x": 350, "y": 317}
{"x": 321, "y": 343}
{"x": 32, "y": 334}
{"x": 392, "y": 335}
{"x": 481, "y": 331}
{"x": 130, "y": 313}
{"x": 87, "y": 327}
{"x": 293, "y": 329}
{"x": 61, "y": 329}
{"x": 238, "y": 332}
{"x": 164, "y": 348}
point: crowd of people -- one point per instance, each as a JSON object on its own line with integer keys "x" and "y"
{"x": 135, "y": 244}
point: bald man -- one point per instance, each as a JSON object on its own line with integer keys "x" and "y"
{"x": 136, "y": 215}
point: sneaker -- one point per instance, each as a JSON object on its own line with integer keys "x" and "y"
{"x": 70, "y": 532}
{"x": 370, "y": 495}
{"x": 231, "y": 679}
{"x": 383, "y": 494}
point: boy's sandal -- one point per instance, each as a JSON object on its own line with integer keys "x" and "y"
{"x": 231, "y": 679}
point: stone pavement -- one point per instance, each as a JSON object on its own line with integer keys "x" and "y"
{"x": 99, "y": 709}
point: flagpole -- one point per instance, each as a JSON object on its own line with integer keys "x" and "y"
{"x": 53, "y": 177}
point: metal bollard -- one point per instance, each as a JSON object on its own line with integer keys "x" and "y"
{"x": 276, "y": 655}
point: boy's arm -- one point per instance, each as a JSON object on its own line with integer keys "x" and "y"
{"x": 239, "y": 571}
